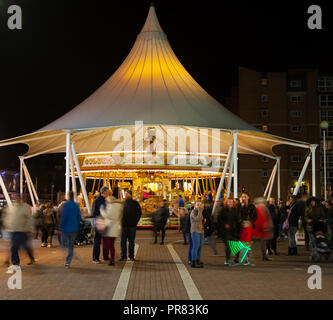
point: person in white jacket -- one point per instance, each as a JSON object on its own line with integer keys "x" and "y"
{"x": 112, "y": 215}
{"x": 18, "y": 222}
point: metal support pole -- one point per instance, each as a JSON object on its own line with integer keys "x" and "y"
{"x": 21, "y": 178}
{"x": 302, "y": 175}
{"x": 313, "y": 153}
{"x": 230, "y": 178}
{"x": 84, "y": 191}
{"x": 269, "y": 183}
{"x": 235, "y": 165}
{"x": 272, "y": 182}
{"x": 5, "y": 192}
{"x": 219, "y": 190}
{"x": 278, "y": 161}
{"x": 73, "y": 178}
{"x": 29, "y": 187}
{"x": 68, "y": 148}
{"x": 30, "y": 181}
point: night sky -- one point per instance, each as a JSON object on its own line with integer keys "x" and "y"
{"x": 67, "y": 49}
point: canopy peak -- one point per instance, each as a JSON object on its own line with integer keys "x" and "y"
{"x": 152, "y": 23}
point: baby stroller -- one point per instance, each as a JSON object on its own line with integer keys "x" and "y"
{"x": 85, "y": 233}
{"x": 319, "y": 243}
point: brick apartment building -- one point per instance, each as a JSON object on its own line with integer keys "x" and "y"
{"x": 289, "y": 104}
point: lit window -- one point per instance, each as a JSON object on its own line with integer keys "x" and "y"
{"x": 329, "y": 162}
{"x": 328, "y": 131}
{"x": 325, "y": 84}
{"x": 264, "y": 128}
{"x": 264, "y": 81}
{"x": 326, "y": 115}
{"x": 326, "y": 100}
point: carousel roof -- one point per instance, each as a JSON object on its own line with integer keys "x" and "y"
{"x": 151, "y": 86}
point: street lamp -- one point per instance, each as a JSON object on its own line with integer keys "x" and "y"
{"x": 324, "y": 126}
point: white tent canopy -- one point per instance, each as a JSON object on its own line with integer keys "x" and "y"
{"x": 150, "y": 86}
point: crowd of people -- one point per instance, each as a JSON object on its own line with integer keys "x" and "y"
{"x": 233, "y": 221}
{"x": 239, "y": 220}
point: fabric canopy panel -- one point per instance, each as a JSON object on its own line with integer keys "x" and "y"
{"x": 170, "y": 139}
{"x": 153, "y": 87}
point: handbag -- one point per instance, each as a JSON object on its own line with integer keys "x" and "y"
{"x": 100, "y": 224}
{"x": 285, "y": 226}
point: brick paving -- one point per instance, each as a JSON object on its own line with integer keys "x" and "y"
{"x": 155, "y": 276}
{"x": 284, "y": 278}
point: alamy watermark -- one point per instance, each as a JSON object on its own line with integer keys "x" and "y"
{"x": 315, "y": 281}
{"x": 163, "y": 145}
{"x": 315, "y": 20}
{"x": 14, "y": 281}
{"x": 15, "y": 20}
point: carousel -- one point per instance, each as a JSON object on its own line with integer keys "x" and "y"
{"x": 153, "y": 129}
{"x": 149, "y": 184}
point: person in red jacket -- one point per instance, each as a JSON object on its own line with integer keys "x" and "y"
{"x": 263, "y": 226}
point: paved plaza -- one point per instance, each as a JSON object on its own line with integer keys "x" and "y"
{"x": 161, "y": 272}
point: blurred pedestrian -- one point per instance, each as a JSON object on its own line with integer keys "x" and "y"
{"x": 248, "y": 216}
{"x": 291, "y": 224}
{"x": 281, "y": 208}
{"x": 70, "y": 226}
{"x": 300, "y": 207}
{"x": 58, "y": 220}
{"x": 182, "y": 220}
{"x": 131, "y": 216}
{"x": 197, "y": 234}
{"x": 263, "y": 228}
{"x": 98, "y": 203}
{"x": 112, "y": 214}
{"x": 19, "y": 223}
{"x": 271, "y": 244}
{"x": 37, "y": 216}
{"x": 209, "y": 226}
{"x": 210, "y": 196}
{"x": 181, "y": 202}
{"x": 228, "y": 225}
{"x": 188, "y": 232}
{"x": 160, "y": 218}
{"x": 6, "y": 237}
{"x": 48, "y": 225}
{"x": 313, "y": 213}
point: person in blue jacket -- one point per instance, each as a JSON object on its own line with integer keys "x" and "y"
{"x": 181, "y": 202}
{"x": 70, "y": 226}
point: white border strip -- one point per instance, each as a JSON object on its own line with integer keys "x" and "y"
{"x": 192, "y": 290}
{"x": 121, "y": 289}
